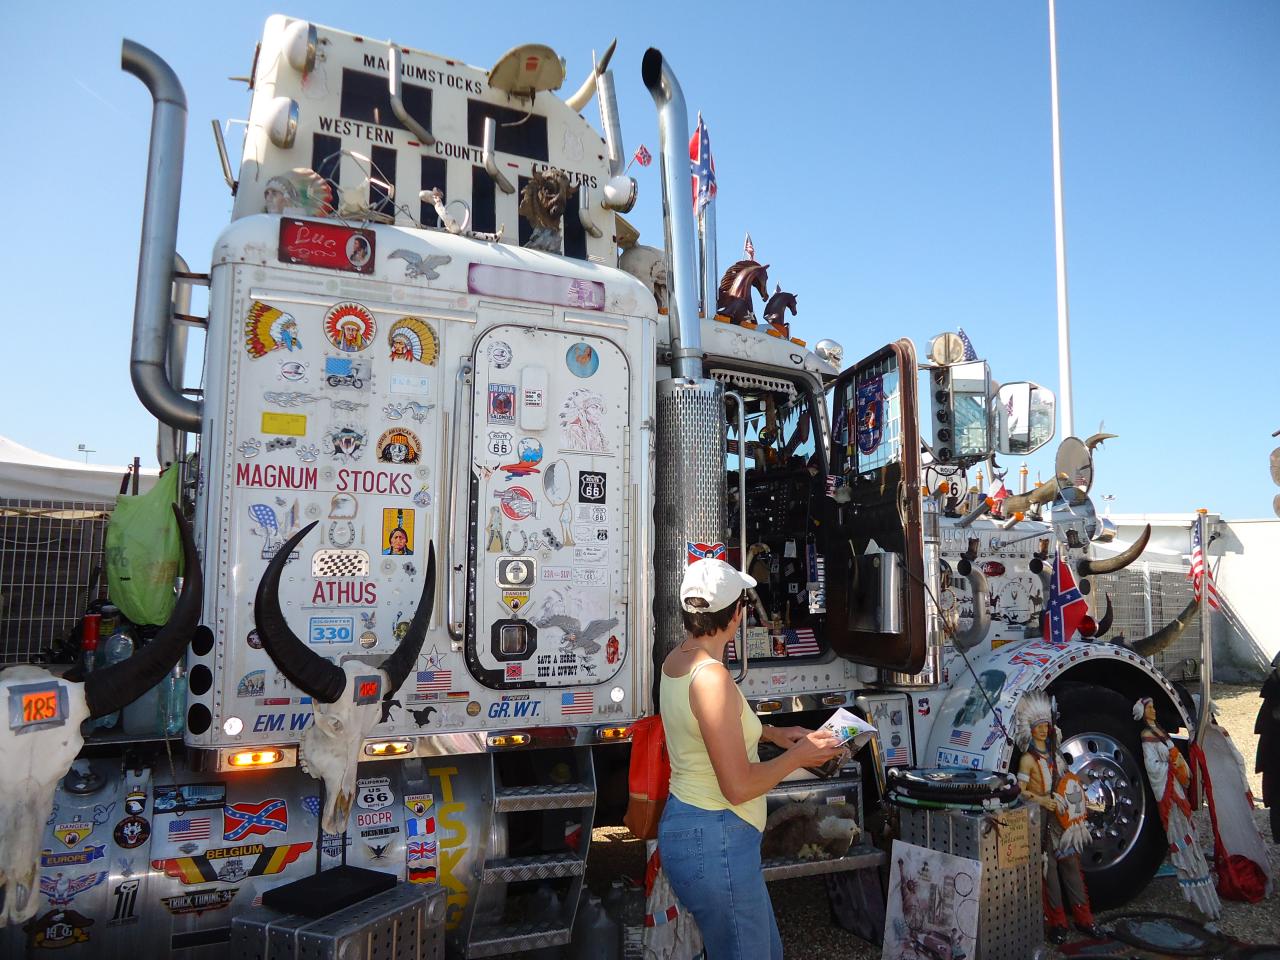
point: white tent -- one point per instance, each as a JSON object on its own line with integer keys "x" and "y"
{"x": 26, "y": 474}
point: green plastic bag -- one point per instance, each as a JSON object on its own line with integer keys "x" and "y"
{"x": 144, "y": 552}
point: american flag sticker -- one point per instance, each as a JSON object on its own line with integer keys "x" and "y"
{"x": 895, "y": 756}
{"x": 429, "y": 680}
{"x": 189, "y": 828}
{"x": 801, "y": 643}
{"x": 576, "y": 703}
{"x": 960, "y": 738}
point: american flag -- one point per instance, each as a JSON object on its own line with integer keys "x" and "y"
{"x": 748, "y": 248}
{"x": 643, "y": 156}
{"x": 999, "y": 491}
{"x": 801, "y": 643}
{"x": 1200, "y": 571}
{"x": 969, "y": 352}
{"x": 1067, "y": 605}
{"x": 192, "y": 828}
{"x": 895, "y": 756}
{"x": 577, "y": 702}
{"x": 702, "y": 167}
{"x": 429, "y": 680}
{"x": 960, "y": 738}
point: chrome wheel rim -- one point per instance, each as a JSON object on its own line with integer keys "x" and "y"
{"x": 1114, "y": 791}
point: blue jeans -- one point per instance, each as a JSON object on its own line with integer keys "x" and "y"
{"x": 712, "y": 858}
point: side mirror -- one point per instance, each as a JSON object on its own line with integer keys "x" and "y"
{"x": 958, "y": 396}
{"x": 1023, "y": 417}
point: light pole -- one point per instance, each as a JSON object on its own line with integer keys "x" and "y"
{"x": 1060, "y": 239}
{"x": 85, "y": 450}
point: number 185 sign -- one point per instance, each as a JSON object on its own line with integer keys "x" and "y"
{"x": 34, "y": 706}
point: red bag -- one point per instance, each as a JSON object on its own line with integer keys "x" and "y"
{"x": 649, "y": 778}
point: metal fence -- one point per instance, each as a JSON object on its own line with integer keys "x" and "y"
{"x": 1145, "y": 597}
{"x": 50, "y": 568}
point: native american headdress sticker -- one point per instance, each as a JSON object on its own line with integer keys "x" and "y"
{"x": 267, "y": 328}
{"x": 349, "y": 327}
{"x": 412, "y": 338}
{"x": 301, "y": 190}
{"x": 399, "y": 446}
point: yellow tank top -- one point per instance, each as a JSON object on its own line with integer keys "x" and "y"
{"x": 693, "y": 779}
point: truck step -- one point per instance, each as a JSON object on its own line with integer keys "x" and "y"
{"x": 858, "y": 858}
{"x": 512, "y": 937}
{"x": 562, "y": 796}
{"x": 545, "y": 866}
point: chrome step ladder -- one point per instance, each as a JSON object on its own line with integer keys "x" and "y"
{"x": 491, "y": 932}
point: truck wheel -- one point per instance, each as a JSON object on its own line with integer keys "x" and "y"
{"x": 1102, "y": 742}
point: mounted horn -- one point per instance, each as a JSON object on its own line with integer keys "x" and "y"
{"x": 1087, "y": 568}
{"x": 115, "y": 687}
{"x": 398, "y": 665}
{"x": 1105, "y": 623}
{"x": 1022, "y": 502}
{"x": 1166, "y": 635}
{"x": 977, "y": 632}
{"x": 306, "y": 670}
{"x": 1097, "y": 438}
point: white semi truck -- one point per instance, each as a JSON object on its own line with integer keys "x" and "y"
{"x": 458, "y": 433}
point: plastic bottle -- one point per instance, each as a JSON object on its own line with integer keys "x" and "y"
{"x": 172, "y": 703}
{"x": 118, "y": 648}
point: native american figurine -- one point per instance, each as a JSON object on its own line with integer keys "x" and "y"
{"x": 1064, "y": 832}
{"x": 734, "y": 299}
{"x": 543, "y": 202}
{"x": 1170, "y": 776}
{"x": 776, "y": 310}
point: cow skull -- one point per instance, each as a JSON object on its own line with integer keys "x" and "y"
{"x": 34, "y": 759}
{"x": 346, "y": 699}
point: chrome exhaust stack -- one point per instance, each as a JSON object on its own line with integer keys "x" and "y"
{"x": 151, "y": 313}
{"x": 689, "y": 501}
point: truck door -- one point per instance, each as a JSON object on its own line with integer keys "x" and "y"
{"x": 549, "y": 464}
{"x": 873, "y": 537}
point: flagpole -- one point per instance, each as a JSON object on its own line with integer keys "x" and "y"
{"x": 1206, "y": 629}
{"x": 711, "y": 272}
{"x": 1060, "y": 240}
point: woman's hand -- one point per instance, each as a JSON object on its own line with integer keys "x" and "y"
{"x": 784, "y": 736}
{"x": 814, "y": 748}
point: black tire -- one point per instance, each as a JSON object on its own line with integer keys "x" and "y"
{"x": 1104, "y": 745}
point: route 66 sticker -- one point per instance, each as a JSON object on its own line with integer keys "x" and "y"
{"x": 373, "y": 793}
{"x": 500, "y": 443}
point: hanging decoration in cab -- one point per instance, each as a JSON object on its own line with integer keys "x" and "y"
{"x": 543, "y": 202}
{"x": 349, "y": 327}
{"x": 412, "y": 338}
{"x": 870, "y": 414}
{"x": 267, "y": 328}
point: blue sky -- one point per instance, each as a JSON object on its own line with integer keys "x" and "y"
{"x": 891, "y": 160}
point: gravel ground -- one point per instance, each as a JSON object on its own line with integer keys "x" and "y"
{"x": 801, "y": 905}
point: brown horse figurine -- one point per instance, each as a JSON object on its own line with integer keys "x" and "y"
{"x": 739, "y": 280}
{"x": 776, "y": 309}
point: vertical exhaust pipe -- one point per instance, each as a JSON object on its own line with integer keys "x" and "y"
{"x": 151, "y": 312}
{"x": 677, "y": 215}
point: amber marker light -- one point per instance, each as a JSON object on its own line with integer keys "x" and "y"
{"x": 255, "y": 758}
{"x": 768, "y": 706}
{"x": 509, "y": 740}
{"x": 613, "y": 733}
{"x": 388, "y": 748}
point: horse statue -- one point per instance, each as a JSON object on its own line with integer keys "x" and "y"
{"x": 775, "y": 310}
{"x": 734, "y": 300}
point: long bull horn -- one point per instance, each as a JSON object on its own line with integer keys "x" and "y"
{"x": 115, "y": 687}
{"x": 405, "y": 656}
{"x": 307, "y": 670}
{"x": 1022, "y": 502}
{"x": 1166, "y": 635}
{"x": 977, "y": 632}
{"x": 1105, "y": 623}
{"x": 1086, "y": 567}
{"x": 1097, "y": 438}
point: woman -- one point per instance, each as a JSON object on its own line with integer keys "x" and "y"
{"x": 709, "y": 837}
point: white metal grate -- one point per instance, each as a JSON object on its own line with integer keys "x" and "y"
{"x": 50, "y": 568}
{"x": 1145, "y": 597}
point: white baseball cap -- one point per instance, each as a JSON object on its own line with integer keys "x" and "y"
{"x": 713, "y": 581}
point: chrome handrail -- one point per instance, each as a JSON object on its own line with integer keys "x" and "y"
{"x": 742, "y": 518}
{"x": 456, "y": 629}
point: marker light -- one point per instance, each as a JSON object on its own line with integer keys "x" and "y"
{"x": 388, "y": 748}
{"x": 299, "y": 44}
{"x": 509, "y": 740}
{"x": 256, "y": 758}
{"x": 768, "y": 706}
{"x": 613, "y": 733}
{"x": 832, "y": 699}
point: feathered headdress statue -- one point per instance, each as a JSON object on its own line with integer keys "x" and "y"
{"x": 1033, "y": 708}
{"x": 1140, "y": 707}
